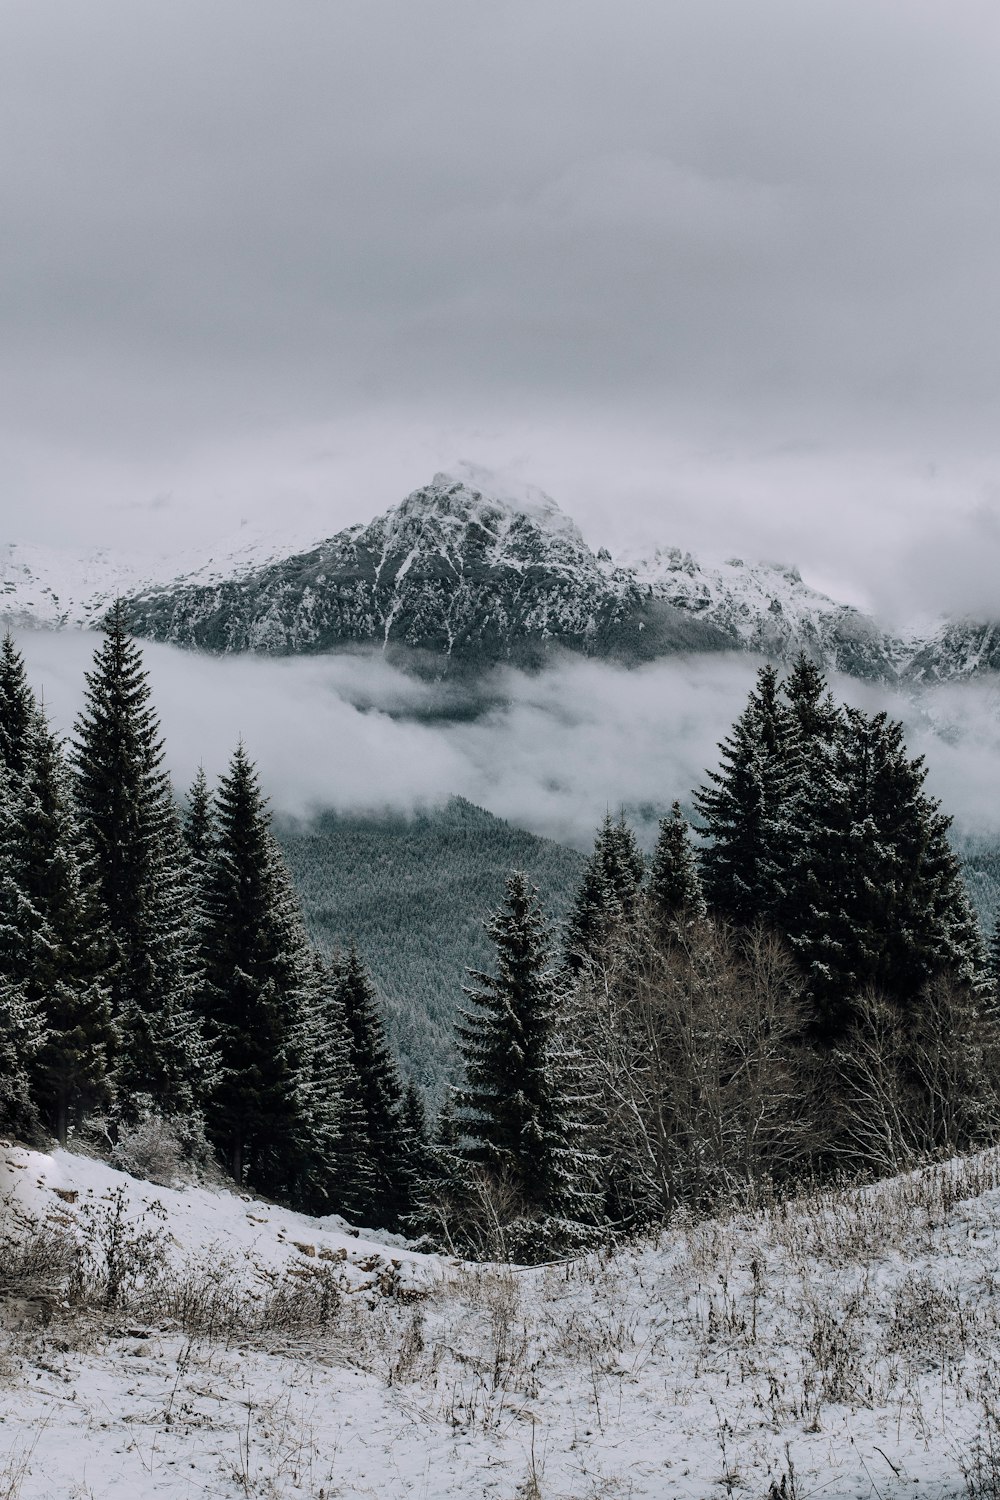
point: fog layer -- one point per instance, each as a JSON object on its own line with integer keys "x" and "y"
{"x": 549, "y": 752}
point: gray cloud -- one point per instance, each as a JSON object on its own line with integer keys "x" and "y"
{"x": 553, "y": 753}
{"x": 720, "y": 275}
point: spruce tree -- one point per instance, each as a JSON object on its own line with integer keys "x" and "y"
{"x": 259, "y": 975}
{"x": 674, "y": 895}
{"x": 438, "y": 1196}
{"x": 515, "y": 1118}
{"x": 54, "y": 947}
{"x": 135, "y": 843}
{"x": 21, "y": 1038}
{"x": 199, "y": 827}
{"x": 993, "y": 961}
{"x": 17, "y": 707}
{"x": 379, "y": 1151}
{"x": 324, "y": 1094}
{"x": 814, "y": 714}
{"x": 881, "y": 906}
{"x": 416, "y": 1163}
{"x": 745, "y": 809}
{"x": 21, "y": 1027}
{"x": 609, "y": 894}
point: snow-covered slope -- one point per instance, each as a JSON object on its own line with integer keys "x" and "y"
{"x": 467, "y": 572}
{"x": 472, "y": 574}
{"x": 767, "y": 609}
{"x": 847, "y": 1345}
{"x": 52, "y": 588}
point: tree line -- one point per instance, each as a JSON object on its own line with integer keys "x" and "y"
{"x": 154, "y": 965}
{"x": 800, "y": 990}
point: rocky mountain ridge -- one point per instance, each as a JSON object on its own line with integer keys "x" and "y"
{"x": 461, "y": 575}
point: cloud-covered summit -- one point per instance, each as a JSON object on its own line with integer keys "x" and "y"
{"x": 710, "y": 270}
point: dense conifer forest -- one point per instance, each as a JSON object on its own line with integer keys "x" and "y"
{"x": 801, "y": 989}
{"x": 412, "y": 893}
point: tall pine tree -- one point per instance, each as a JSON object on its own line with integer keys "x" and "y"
{"x": 259, "y": 978}
{"x": 321, "y": 1050}
{"x": 745, "y": 809}
{"x": 609, "y": 894}
{"x": 53, "y": 942}
{"x": 17, "y": 707}
{"x": 135, "y": 842}
{"x": 514, "y": 1114}
{"x": 674, "y": 895}
{"x": 377, "y": 1154}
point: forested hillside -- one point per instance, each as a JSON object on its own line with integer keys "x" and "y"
{"x": 980, "y": 858}
{"x": 413, "y": 893}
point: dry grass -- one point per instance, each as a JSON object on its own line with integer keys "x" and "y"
{"x": 790, "y": 1316}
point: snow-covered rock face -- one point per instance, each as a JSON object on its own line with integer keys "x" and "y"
{"x": 467, "y": 573}
{"x": 467, "y": 576}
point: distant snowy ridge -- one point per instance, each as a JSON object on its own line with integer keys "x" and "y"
{"x": 467, "y": 573}
{"x": 56, "y": 589}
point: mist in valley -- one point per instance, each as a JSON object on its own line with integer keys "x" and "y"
{"x": 550, "y": 752}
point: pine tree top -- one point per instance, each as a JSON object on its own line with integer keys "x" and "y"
{"x": 17, "y": 707}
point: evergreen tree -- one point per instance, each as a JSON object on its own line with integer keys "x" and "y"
{"x": 882, "y": 907}
{"x": 609, "y": 893}
{"x": 53, "y": 943}
{"x": 21, "y": 1037}
{"x": 379, "y": 1151}
{"x": 417, "y": 1164}
{"x": 674, "y": 896}
{"x": 515, "y": 1119}
{"x": 259, "y": 977}
{"x": 324, "y": 1096}
{"x": 21, "y": 1026}
{"x": 135, "y": 843}
{"x": 199, "y": 843}
{"x": 438, "y": 1197}
{"x": 199, "y": 827}
{"x": 814, "y": 714}
{"x": 17, "y": 707}
{"x": 993, "y": 962}
{"x": 745, "y": 810}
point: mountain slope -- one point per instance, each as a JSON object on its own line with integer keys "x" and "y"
{"x": 413, "y": 893}
{"x": 468, "y": 578}
{"x": 463, "y": 575}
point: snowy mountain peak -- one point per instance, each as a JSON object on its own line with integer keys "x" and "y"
{"x": 471, "y": 570}
{"x": 474, "y": 497}
{"x": 488, "y": 492}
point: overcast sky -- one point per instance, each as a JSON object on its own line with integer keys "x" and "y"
{"x": 720, "y": 273}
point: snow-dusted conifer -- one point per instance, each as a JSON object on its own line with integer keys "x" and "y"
{"x": 17, "y": 707}
{"x": 609, "y": 893}
{"x": 416, "y": 1163}
{"x": 134, "y": 838}
{"x": 199, "y": 826}
{"x": 674, "y": 895}
{"x": 379, "y": 1152}
{"x": 325, "y": 1100}
{"x": 993, "y": 961}
{"x": 21, "y": 1028}
{"x": 515, "y": 1117}
{"x": 54, "y": 947}
{"x": 258, "y": 978}
{"x": 745, "y": 810}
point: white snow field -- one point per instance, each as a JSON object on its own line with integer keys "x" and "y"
{"x": 842, "y": 1345}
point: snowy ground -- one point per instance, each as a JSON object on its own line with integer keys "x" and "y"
{"x": 846, "y": 1345}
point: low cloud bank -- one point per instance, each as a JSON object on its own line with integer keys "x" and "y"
{"x": 550, "y": 752}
